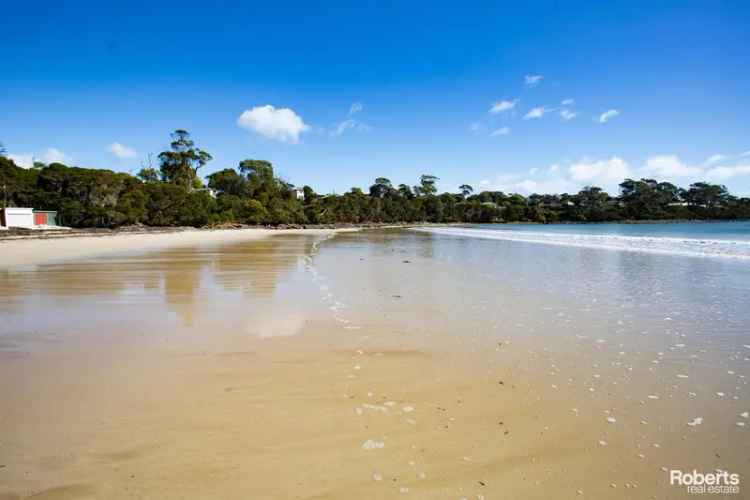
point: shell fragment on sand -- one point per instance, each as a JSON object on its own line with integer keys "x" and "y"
{"x": 371, "y": 444}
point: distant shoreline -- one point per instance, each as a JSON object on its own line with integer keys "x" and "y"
{"x": 18, "y": 234}
{"x": 33, "y": 234}
{"x": 30, "y": 251}
{"x": 629, "y": 221}
{"x": 33, "y": 247}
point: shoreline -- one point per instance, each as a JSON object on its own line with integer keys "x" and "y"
{"x": 34, "y": 247}
{"x": 626, "y": 221}
{"x": 14, "y": 234}
{"x": 20, "y": 252}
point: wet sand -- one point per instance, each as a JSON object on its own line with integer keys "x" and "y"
{"x": 33, "y": 251}
{"x": 364, "y": 365}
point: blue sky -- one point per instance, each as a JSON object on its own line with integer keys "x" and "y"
{"x": 336, "y": 94}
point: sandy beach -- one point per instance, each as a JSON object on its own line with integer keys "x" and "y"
{"x": 24, "y": 252}
{"x": 371, "y": 364}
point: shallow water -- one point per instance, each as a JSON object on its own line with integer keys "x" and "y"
{"x": 610, "y": 237}
{"x": 373, "y": 364}
{"x": 730, "y": 230}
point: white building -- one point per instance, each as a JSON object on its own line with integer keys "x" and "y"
{"x": 28, "y": 218}
{"x": 17, "y": 217}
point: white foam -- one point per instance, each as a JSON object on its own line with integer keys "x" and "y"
{"x": 694, "y": 247}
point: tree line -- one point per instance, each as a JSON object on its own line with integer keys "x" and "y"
{"x": 174, "y": 194}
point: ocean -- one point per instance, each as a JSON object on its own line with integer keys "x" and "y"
{"x": 714, "y": 239}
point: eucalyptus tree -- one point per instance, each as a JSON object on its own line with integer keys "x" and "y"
{"x": 381, "y": 188}
{"x": 180, "y": 164}
{"x": 426, "y": 185}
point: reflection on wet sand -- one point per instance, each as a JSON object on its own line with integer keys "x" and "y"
{"x": 185, "y": 279}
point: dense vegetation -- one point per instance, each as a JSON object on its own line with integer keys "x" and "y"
{"x": 175, "y": 195}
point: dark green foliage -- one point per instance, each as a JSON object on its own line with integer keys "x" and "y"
{"x": 228, "y": 182}
{"x": 426, "y": 185}
{"x": 252, "y": 194}
{"x": 148, "y": 174}
{"x": 466, "y": 190}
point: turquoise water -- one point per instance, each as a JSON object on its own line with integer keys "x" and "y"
{"x": 735, "y": 231}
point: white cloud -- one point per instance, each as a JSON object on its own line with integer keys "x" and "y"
{"x": 356, "y": 107}
{"x": 500, "y": 106}
{"x": 535, "y": 113}
{"x": 280, "y": 124}
{"x": 474, "y": 127}
{"x": 54, "y": 155}
{"x": 723, "y": 173}
{"x": 567, "y": 114}
{"x": 349, "y": 124}
{"x": 606, "y": 174}
{"x": 532, "y": 80}
{"x": 501, "y": 131}
{"x": 746, "y": 153}
{"x": 568, "y": 102}
{"x": 518, "y": 184}
{"x": 122, "y": 152}
{"x": 608, "y": 115}
{"x": 714, "y": 159}
{"x": 343, "y": 127}
{"x": 24, "y": 160}
{"x": 668, "y": 166}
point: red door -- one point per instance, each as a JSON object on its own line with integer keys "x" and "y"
{"x": 40, "y": 219}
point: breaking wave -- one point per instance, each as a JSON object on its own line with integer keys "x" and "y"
{"x": 694, "y": 247}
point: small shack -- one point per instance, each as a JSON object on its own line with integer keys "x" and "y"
{"x": 28, "y": 218}
{"x": 17, "y": 217}
{"x": 45, "y": 218}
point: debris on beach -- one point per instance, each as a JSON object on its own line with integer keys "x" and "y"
{"x": 371, "y": 444}
{"x": 374, "y": 407}
{"x": 695, "y": 421}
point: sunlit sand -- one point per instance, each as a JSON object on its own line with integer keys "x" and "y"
{"x": 363, "y": 365}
